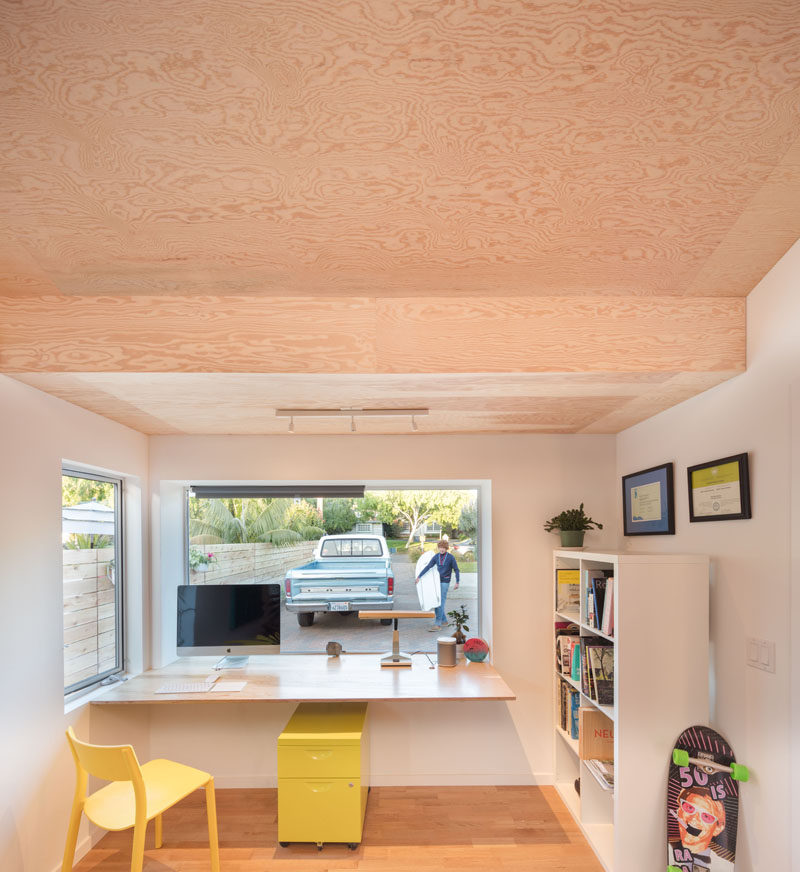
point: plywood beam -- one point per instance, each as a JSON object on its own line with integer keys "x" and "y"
{"x": 368, "y": 335}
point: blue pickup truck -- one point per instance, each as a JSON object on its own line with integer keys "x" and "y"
{"x": 349, "y": 573}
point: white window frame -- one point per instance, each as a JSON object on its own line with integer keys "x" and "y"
{"x": 119, "y": 578}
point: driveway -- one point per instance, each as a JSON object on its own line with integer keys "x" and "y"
{"x": 356, "y": 635}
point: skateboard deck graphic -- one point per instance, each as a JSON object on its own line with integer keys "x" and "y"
{"x": 429, "y": 590}
{"x": 702, "y": 803}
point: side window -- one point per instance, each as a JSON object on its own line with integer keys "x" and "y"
{"x": 91, "y": 522}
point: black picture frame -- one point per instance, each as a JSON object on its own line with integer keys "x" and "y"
{"x": 648, "y": 502}
{"x": 719, "y": 490}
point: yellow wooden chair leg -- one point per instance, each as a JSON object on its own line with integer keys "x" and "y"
{"x": 72, "y": 837}
{"x": 213, "y": 838}
{"x": 159, "y": 831}
{"x": 137, "y": 851}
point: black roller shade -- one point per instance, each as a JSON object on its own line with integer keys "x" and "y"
{"x": 288, "y": 490}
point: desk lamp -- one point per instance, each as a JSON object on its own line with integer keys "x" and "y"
{"x": 395, "y": 657}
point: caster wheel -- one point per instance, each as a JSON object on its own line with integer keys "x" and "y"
{"x": 284, "y": 844}
{"x": 352, "y": 845}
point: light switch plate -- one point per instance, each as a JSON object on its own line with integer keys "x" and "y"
{"x": 761, "y": 654}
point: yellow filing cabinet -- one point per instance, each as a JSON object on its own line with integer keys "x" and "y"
{"x": 323, "y": 774}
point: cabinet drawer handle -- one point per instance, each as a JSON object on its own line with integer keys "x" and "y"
{"x": 319, "y": 787}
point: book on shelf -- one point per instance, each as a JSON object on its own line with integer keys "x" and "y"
{"x": 594, "y": 596}
{"x": 607, "y": 620}
{"x": 574, "y": 709}
{"x": 564, "y": 648}
{"x": 568, "y": 590}
{"x": 601, "y": 668}
{"x": 597, "y": 669}
{"x": 596, "y": 735}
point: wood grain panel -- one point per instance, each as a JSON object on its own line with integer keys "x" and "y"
{"x": 244, "y": 404}
{"x": 561, "y": 334}
{"x": 313, "y": 148}
{"x": 245, "y": 334}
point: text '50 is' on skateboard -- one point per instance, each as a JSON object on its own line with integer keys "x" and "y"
{"x": 702, "y": 803}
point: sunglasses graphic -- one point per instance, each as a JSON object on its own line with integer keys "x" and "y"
{"x": 705, "y": 816}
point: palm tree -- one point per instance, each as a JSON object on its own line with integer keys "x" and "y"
{"x": 245, "y": 520}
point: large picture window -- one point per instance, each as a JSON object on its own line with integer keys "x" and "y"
{"x": 245, "y": 535}
{"x": 91, "y": 525}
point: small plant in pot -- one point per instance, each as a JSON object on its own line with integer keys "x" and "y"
{"x": 572, "y": 524}
{"x": 459, "y": 618}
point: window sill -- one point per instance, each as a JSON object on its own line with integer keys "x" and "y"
{"x": 80, "y": 698}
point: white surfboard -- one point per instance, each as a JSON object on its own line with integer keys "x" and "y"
{"x": 429, "y": 589}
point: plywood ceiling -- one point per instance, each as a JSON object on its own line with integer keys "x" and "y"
{"x": 529, "y": 217}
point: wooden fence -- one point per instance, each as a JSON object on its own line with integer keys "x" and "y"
{"x": 89, "y": 604}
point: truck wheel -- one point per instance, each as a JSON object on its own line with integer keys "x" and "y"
{"x": 386, "y": 621}
{"x": 305, "y": 619}
{"x": 469, "y": 557}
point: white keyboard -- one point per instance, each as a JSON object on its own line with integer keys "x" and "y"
{"x": 188, "y": 686}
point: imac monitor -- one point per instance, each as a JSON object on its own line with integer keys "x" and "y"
{"x": 229, "y": 619}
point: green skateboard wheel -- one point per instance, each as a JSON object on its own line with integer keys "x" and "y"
{"x": 679, "y": 757}
{"x": 739, "y": 772}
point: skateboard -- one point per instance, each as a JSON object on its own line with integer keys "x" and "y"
{"x": 702, "y": 803}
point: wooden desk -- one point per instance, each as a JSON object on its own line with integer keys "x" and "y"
{"x": 318, "y": 678}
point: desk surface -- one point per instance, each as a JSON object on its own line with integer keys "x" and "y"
{"x": 318, "y": 678}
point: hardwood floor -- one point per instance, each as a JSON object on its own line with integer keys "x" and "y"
{"x": 407, "y": 828}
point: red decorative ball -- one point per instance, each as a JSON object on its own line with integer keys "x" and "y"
{"x": 475, "y": 650}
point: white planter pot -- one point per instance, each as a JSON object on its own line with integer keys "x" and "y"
{"x": 203, "y": 567}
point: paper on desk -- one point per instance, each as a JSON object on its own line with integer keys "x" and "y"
{"x": 228, "y": 686}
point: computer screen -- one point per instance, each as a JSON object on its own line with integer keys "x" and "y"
{"x": 229, "y": 619}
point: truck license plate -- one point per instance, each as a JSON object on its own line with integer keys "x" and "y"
{"x": 340, "y": 607}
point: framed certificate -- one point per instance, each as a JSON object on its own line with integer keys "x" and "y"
{"x": 648, "y": 502}
{"x": 720, "y": 490}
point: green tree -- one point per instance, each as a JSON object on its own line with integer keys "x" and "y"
{"x": 242, "y": 520}
{"x": 468, "y": 520}
{"x": 416, "y": 507}
{"x": 76, "y": 490}
{"x": 338, "y": 516}
{"x": 303, "y": 518}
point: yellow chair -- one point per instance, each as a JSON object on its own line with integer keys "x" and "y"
{"x": 136, "y": 795}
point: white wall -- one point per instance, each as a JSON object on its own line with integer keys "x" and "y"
{"x": 37, "y": 773}
{"x": 532, "y": 478}
{"x": 751, "y": 559}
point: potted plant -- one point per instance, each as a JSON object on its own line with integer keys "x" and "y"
{"x": 572, "y": 524}
{"x": 200, "y": 561}
{"x": 459, "y": 619}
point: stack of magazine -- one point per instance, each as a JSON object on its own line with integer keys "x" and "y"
{"x": 603, "y": 771}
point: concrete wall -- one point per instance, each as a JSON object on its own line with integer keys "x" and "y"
{"x": 754, "y": 562}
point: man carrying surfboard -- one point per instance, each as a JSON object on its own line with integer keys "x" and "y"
{"x": 445, "y": 563}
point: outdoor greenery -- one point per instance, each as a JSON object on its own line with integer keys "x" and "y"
{"x": 84, "y": 541}
{"x": 215, "y": 521}
{"x": 338, "y": 516}
{"x": 200, "y": 558}
{"x": 572, "y": 519}
{"x": 468, "y": 520}
{"x": 76, "y": 490}
{"x": 415, "y": 507}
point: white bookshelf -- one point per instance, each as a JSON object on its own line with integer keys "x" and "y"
{"x": 660, "y": 641}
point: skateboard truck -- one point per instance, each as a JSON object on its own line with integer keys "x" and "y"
{"x": 737, "y": 771}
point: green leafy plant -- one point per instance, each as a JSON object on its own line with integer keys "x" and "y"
{"x": 459, "y": 619}
{"x": 572, "y": 519}
{"x": 200, "y": 558}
